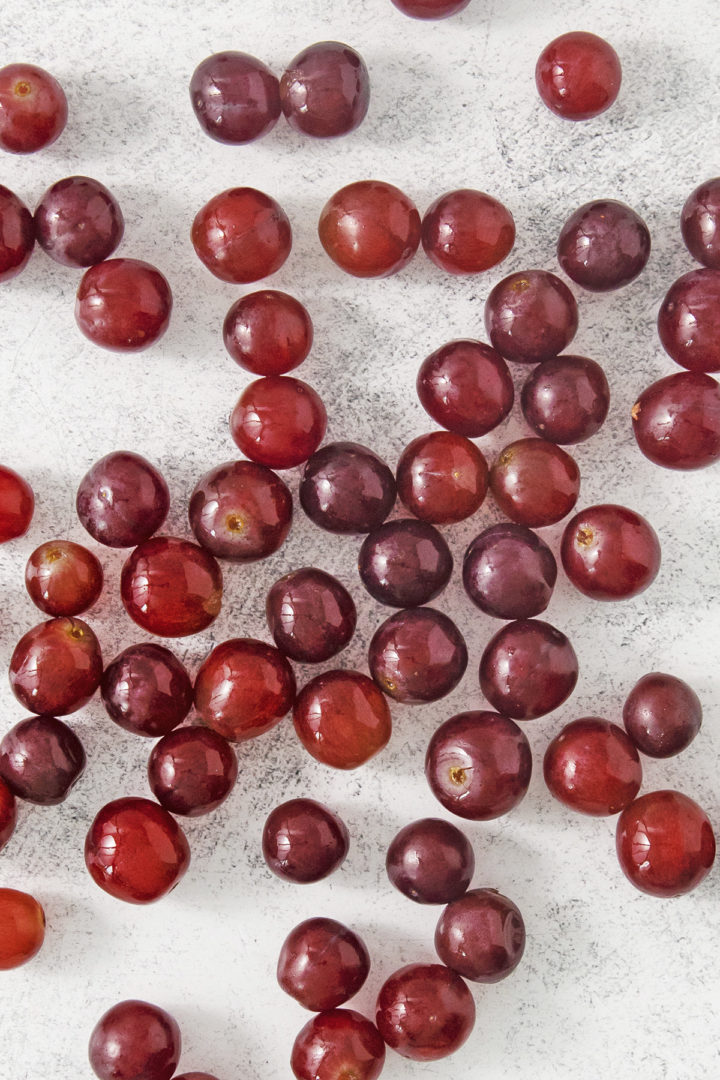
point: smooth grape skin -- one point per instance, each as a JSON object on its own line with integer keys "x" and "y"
{"x": 528, "y": 669}
{"x": 689, "y": 321}
{"x": 56, "y": 667}
{"x": 509, "y": 572}
{"x": 63, "y": 578}
{"x": 481, "y": 936}
{"x": 676, "y": 421}
{"x": 122, "y": 500}
{"x": 425, "y": 1012}
{"x": 405, "y": 563}
{"x": 604, "y": 245}
{"x": 136, "y": 851}
{"x": 235, "y": 97}
{"x": 535, "y": 482}
{"x": 242, "y": 235}
{"x": 342, "y": 719}
{"x": 442, "y": 477}
{"x": 338, "y": 1043}
{"x": 466, "y": 232}
{"x": 370, "y": 229}
{"x": 244, "y": 688}
{"x": 303, "y": 841}
{"x": 478, "y": 765}
{"x": 578, "y": 75}
{"x": 123, "y": 305}
{"x": 192, "y": 771}
{"x": 41, "y": 760}
{"x": 347, "y": 488}
{"x": 665, "y": 843}
{"x": 531, "y": 316}
{"x": 17, "y": 235}
{"x": 23, "y": 928}
{"x": 430, "y": 9}
{"x": 610, "y": 553}
{"x": 135, "y": 1041}
{"x": 278, "y": 421}
{"x": 171, "y": 588}
{"x": 311, "y": 615}
{"x": 17, "y": 503}
{"x": 8, "y": 813}
{"x": 240, "y": 511}
{"x": 662, "y": 715}
{"x": 592, "y": 766}
{"x": 466, "y": 387}
{"x": 700, "y": 223}
{"x": 566, "y": 399}
{"x": 268, "y": 332}
{"x": 322, "y": 964}
{"x": 78, "y": 222}
{"x": 146, "y": 690}
{"x": 430, "y": 861}
{"x": 33, "y": 109}
{"x": 325, "y": 91}
{"x": 417, "y": 655}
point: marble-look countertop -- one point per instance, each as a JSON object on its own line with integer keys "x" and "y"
{"x": 614, "y": 984}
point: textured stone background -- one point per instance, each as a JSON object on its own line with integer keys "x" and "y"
{"x": 614, "y": 984}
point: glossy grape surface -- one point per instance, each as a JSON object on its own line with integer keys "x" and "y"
{"x": 325, "y": 90}
{"x": 192, "y": 771}
{"x": 322, "y": 964}
{"x": 700, "y": 223}
{"x": 610, "y": 552}
{"x": 578, "y": 75}
{"x": 244, "y": 688}
{"x": 481, "y": 936}
{"x": 8, "y": 813}
{"x": 342, "y": 718}
{"x": 566, "y": 399}
{"x": 304, "y": 841}
{"x": 268, "y": 332}
{"x": 241, "y": 511}
{"x": 442, "y": 477}
{"x": 534, "y": 482}
{"x": 235, "y": 97}
{"x": 41, "y": 760}
{"x": 370, "y": 229}
{"x": 604, "y": 245}
{"x": 311, "y": 615}
{"x": 278, "y": 421}
{"x": 78, "y": 222}
{"x": 430, "y": 861}
{"x": 509, "y": 572}
{"x": 467, "y": 231}
{"x": 417, "y": 655}
{"x": 593, "y": 767}
{"x": 23, "y": 928}
{"x": 123, "y": 305}
{"x": 135, "y": 1040}
{"x": 466, "y": 387}
{"x": 689, "y": 320}
{"x": 531, "y": 316}
{"x": 347, "y": 488}
{"x": 425, "y": 1012}
{"x": 171, "y": 587}
{"x": 17, "y": 235}
{"x": 17, "y": 503}
{"x": 56, "y": 667}
{"x": 405, "y": 563}
{"x": 63, "y": 578}
{"x": 676, "y": 421}
{"x": 242, "y": 235}
{"x": 662, "y": 715}
{"x": 33, "y": 108}
{"x": 122, "y": 500}
{"x": 528, "y": 669}
{"x": 338, "y": 1043}
{"x": 146, "y": 690}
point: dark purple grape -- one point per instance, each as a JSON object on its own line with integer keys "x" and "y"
{"x": 417, "y": 655}
{"x": 603, "y": 245}
{"x": 528, "y": 669}
{"x": 689, "y": 321}
{"x": 478, "y": 765}
{"x": 192, "y": 771}
{"x": 325, "y": 90}
{"x": 405, "y": 563}
{"x": 311, "y": 615}
{"x": 662, "y": 715}
{"x": 430, "y": 861}
{"x": 531, "y": 316}
{"x": 303, "y": 841}
{"x": 566, "y": 399}
{"x": 509, "y": 572}
{"x": 481, "y": 936}
{"x": 41, "y": 760}
{"x": 700, "y": 223}
{"x": 147, "y": 690}
{"x": 466, "y": 387}
{"x": 676, "y": 421}
{"x": 346, "y": 488}
{"x": 122, "y": 500}
{"x": 322, "y": 964}
{"x": 235, "y": 97}
{"x": 78, "y": 222}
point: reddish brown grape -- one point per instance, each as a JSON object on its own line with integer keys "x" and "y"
{"x": 146, "y": 690}
{"x": 700, "y": 223}
{"x": 17, "y": 235}
{"x": 303, "y": 841}
{"x": 135, "y": 1041}
{"x": 268, "y": 332}
{"x": 566, "y": 399}
{"x": 241, "y": 511}
{"x": 322, "y": 964}
{"x": 347, "y": 488}
{"x": 481, "y": 936}
{"x": 325, "y": 91}
{"x": 370, "y": 229}
{"x": 610, "y": 552}
{"x": 405, "y": 563}
{"x": 235, "y": 97}
{"x": 242, "y": 235}
{"x": 342, "y": 719}
{"x": 192, "y": 771}
{"x": 604, "y": 245}
{"x": 466, "y": 387}
{"x": 593, "y": 767}
{"x": 578, "y": 75}
{"x": 430, "y": 861}
{"x": 33, "y": 108}
{"x": 244, "y": 688}
{"x": 442, "y": 477}
{"x": 417, "y": 655}
{"x": 676, "y": 421}
{"x": 534, "y": 482}
{"x": 63, "y": 578}
{"x": 41, "y": 760}
{"x": 78, "y": 222}
{"x": 478, "y": 765}
{"x": 467, "y": 231}
{"x": 662, "y": 715}
{"x": 278, "y": 421}
{"x": 338, "y": 1043}
{"x": 665, "y": 843}
{"x": 122, "y": 500}
{"x": 528, "y": 669}
{"x": 8, "y": 814}
{"x": 430, "y": 9}
{"x": 311, "y": 615}
{"x": 689, "y": 321}
{"x": 425, "y": 1012}
{"x": 171, "y": 587}
{"x": 17, "y": 503}
{"x": 123, "y": 305}
{"x": 56, "y": 667}
{"x": 23, "y": 924}
{"x": 531, "y": 316}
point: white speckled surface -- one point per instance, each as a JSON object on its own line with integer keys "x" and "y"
{"x": 614, "y": 984}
